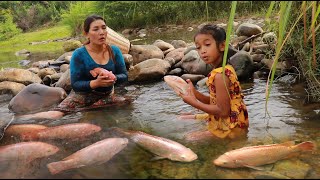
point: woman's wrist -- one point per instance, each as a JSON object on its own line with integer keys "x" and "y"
{"x": 93, "y": 84}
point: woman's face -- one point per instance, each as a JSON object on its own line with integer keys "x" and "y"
{"x": 97, "y": 32}
{"x": 208, "y": 50}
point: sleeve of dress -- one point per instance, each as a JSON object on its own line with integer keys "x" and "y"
{"x": 79, "y": 83}
{"x": 200, "y": 117}
{"x": 120, "y": 66}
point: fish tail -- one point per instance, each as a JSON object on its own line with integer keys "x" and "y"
{"x": 306, "y": 146}
{"x": 57, "y": 167}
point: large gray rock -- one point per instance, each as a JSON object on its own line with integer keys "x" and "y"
{"x": 248, "y": 29}
{"x": 149, "y": 70}
{"x": 36, "y": 97}
{"x": 20, "y": 76}
{"x": 143, "y": 52}
{"x": 10, "y": 87}
{"x": 243, "y": 65}
{"x": 64, "y": 81}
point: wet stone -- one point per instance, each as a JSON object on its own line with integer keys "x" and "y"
{"x": 292, "y": 168}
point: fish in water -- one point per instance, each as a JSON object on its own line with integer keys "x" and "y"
{"x": 162, "y": 147}
{"x": 67, "y": 131}
{"x": 18, "y": 129}
{"x": 177, "y": 84}
{"x": 254, "y": 156}
{"x": 26, "y": 151}
{"x": 97, "y": 153}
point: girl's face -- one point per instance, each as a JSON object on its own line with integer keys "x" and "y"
{"x": 208, "y": 50}
{"x": 97, "y": 32}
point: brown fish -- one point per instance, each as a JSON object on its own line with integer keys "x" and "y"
{"x": 67, "y": 131}
{"x": 177, "y": 84}
{"x": 162, "y": 147}
{"x": 18, "y": 129}
{"x": 253, "y": 156}
{"x": 97, "y": 153}
{"x": 26, "y": 151}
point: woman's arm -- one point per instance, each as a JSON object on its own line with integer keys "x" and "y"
{"x": 77, "y": 68}
{"x": 120, "y": 66}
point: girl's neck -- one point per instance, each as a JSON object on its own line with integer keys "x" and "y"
{"x": 218, "y": 63}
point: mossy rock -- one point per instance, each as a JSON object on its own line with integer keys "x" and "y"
{"x": 71, "y": 45}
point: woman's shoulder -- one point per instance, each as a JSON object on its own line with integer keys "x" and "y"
{"x": 115, "y": 48}
{"x": 79, "y": 50}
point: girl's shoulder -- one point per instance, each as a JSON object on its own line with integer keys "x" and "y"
{"x": 227, "y": 68}
{"x": 229, "y": 72}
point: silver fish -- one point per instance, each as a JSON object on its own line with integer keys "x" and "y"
{"x": 162, "y": 147}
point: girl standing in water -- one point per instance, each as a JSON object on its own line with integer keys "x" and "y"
{"x": 226, "y": 113}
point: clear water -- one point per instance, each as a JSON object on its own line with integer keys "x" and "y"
{"x": 155, "y": 110}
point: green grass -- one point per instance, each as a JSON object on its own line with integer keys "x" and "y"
{"x": 22, "y": 41}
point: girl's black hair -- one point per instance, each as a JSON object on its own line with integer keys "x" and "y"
{"x": 86, "y": 28}
{"x": 218, "y": 34}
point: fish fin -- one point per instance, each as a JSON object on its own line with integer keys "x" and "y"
{"x": 254, "y": 167}
{"x": 306, "y": 146}
{"x": 157, "y": 158}
{"x": 248, "y": 166}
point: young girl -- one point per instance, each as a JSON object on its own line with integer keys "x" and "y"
{"x": 226, "y": 112}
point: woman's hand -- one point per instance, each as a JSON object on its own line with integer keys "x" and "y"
{"x": 102, "y": 81}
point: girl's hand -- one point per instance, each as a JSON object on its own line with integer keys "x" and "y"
{"x": 189, "y": 97}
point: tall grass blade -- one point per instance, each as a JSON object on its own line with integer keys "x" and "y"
{"x": 304, "y": 23}
{"x": 313, "y": 35}
{"x": 229, "y": 30}
{"x": 284, "y": 16}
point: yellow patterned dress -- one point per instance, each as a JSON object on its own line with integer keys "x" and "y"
{"x": 238, "y": 119}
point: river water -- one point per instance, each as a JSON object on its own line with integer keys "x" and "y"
{"x": 155, "y": 110}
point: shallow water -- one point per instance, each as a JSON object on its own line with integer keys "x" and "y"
{"x": 155, "y": 110}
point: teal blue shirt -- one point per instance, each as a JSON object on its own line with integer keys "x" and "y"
{"x": 81, "y": 63}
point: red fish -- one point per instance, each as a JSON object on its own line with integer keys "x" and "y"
{"x": 26, "y": 151}
{"x": 97, "y": 153}
{"x": 18, "y": 129}
{"x": 100, "y": 71}
{"x": 254, "y": 156}
{"x": 68, "y": 131}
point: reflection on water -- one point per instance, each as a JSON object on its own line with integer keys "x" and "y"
{"x": 155, "y": 110}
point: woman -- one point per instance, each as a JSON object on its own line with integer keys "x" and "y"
{"x": 94, "y": 69}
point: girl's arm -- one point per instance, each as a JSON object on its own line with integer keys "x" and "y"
{"x": 221, "y": 108}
